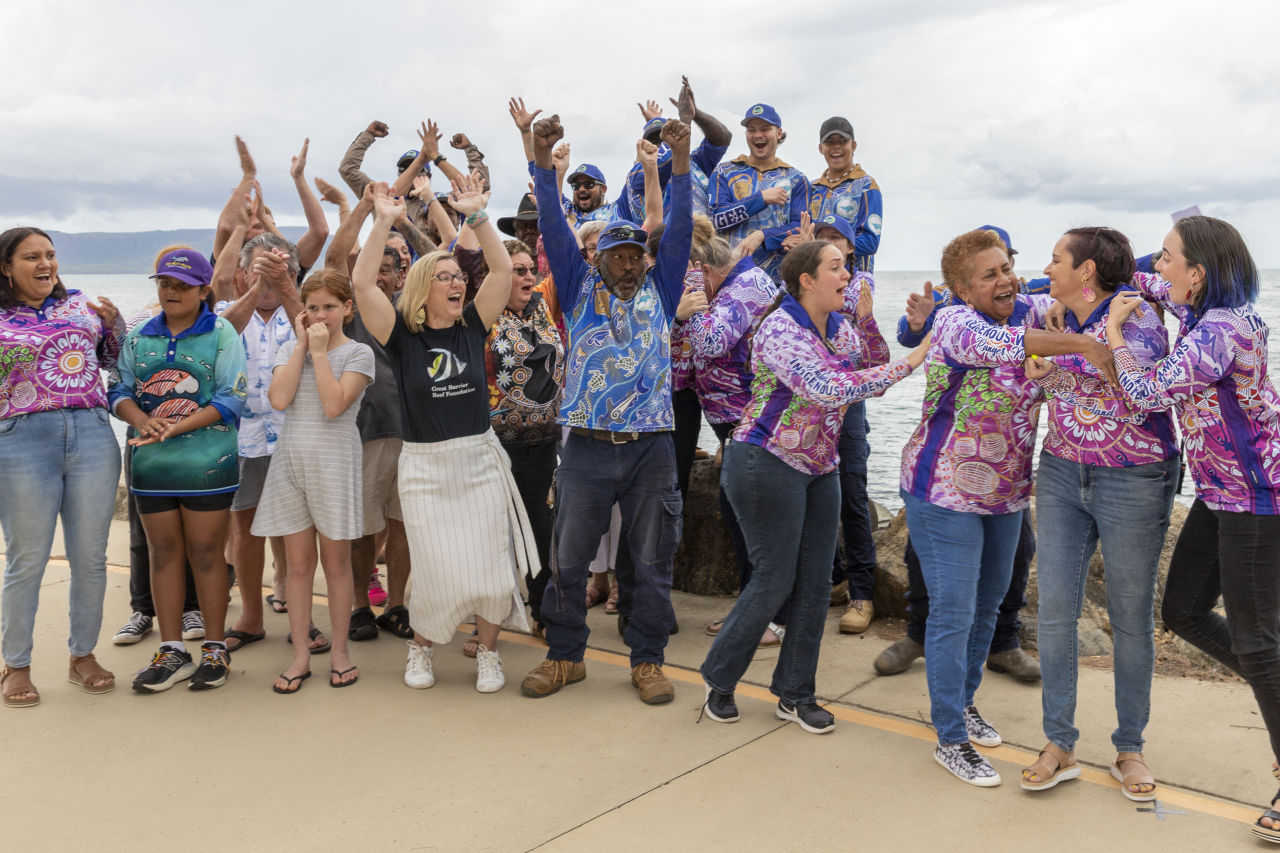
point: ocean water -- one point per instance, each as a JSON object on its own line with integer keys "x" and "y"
{"x": 892, "y": 417}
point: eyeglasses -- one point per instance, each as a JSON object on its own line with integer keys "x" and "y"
{"x": 586, "y": 184}
{"x": 522, "y": 271}
{"x": 446, "y": 277}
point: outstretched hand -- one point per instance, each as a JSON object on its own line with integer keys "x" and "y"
{"x": 521, "y": 116}
{"x": 650, "y": 109}
{"x": 467, "y": 196}
{"x": 385, "y": 205}
{"x": 330, "y": 193}
{"x": 919, "y": 307}
{"x": 430, "y": 136}
{"x": 917, "y": 356}
{"x": 105, "y": 309}
{"x": 421, "y": 187}
{"x": 865, "y": 299}
{"x": 685, "y": 106}
{"x": 247, "y": 166}
{"x": 299, "y": 162}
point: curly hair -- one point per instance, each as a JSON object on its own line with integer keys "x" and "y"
{"x": 957, "y": 257}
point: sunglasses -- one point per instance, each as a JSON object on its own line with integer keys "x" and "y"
{"x": 446, "y": 277}
{"x": 522, "y": 271}
{"x": 624, "y": 233}
{"x": 586, "y": 184}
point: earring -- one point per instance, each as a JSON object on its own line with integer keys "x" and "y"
{"x": 1087, "y": 292}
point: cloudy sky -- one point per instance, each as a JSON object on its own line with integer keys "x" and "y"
{"x": 1038, "y": 116}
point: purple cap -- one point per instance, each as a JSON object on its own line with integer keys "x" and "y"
{"x": 763, "y": 111}
{"x": 187, "y": 266}
{"x": 587, "y": 171}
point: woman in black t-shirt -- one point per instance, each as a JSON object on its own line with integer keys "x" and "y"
{"x": 469, "y": 538}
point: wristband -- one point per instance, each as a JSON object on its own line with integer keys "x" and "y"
{"x": 478, "y": 218}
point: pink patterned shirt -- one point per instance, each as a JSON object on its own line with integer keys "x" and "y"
{"x": 50, "y": 357}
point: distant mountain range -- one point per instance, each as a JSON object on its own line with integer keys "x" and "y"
{"x": 103, "y": 252}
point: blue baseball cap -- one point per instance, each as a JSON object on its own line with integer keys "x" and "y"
{"x": 1002, "y": 234}
{"x": 587, "y": 171}
{"x": 763, "y": 111}
{"x": 620, "y": 232}
{"x": 407, "y": 158}
{"x": 837, "y": 222}
{"x": 187, "y": 266}
{"x": 653, "y": 128}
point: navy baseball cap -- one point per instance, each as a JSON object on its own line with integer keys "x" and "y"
{"x": 1002, "y": 234}
{"x": 839, "y": 223}
{"x": 620, "y": 232}
{"x": 763, "y": 111}
{"x": 653, "y": 128}
{"x": 187, "y": 266}
{"x": 587, "y": 171}
{"x": 407, "y": 158}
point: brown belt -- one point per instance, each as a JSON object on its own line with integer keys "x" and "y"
{"x": 608, "y": 435}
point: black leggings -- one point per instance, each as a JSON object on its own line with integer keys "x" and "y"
{"x": 1235, "y": 555}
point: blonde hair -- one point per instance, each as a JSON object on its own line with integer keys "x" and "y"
{"x": 708, "y": 247}
{"x": 166, "y": 250}
{"x": 417, "y": 286}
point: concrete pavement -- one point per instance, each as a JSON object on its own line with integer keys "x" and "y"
{"x": 591, "y": 768}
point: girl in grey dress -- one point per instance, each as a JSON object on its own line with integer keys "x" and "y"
{"x": 313, "y": 485}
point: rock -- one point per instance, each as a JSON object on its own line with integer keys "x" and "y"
{"x": 121, "y": 511}
{"x": 704, "y": 563}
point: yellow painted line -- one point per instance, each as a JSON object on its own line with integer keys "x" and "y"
{"x": 918, "y": 731}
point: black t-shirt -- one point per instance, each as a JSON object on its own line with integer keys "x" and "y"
{"x": 379, "y": 415}
{"x": 443, "y": 391}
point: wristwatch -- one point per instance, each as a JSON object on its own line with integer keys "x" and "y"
{"x": 438, "y": 158}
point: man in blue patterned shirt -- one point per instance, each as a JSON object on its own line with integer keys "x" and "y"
{"x": 845, "y": 190}
{"x": 617, "y": 405}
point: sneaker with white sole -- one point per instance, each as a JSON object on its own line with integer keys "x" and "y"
{"x": 417, "y": 669}
{"x": 134, "y": 630}
{"x": 215, "y": 666}
{"x": 979, "y": 730}
{"x": 193, "y": 625}
{"x": 720, "y": 706}
{"x": 167, "y": 668}
{"x": 489, "y": 677}
{"x": 809, "y": 715}
{"x": 967, "y": 764}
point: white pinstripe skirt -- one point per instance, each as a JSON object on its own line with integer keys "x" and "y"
{"x": 469, "y": 538}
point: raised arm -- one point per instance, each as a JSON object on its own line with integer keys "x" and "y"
{"x": 228, "y": 259}
{"x": 349, "y": 168}
{"x": 475, "y": 158}
{"x": 561, "y": 245}
{"x": 677, "y": 237}
{"x": 310, "y": 243}
{"x": 344, "y": 239}
{"x": 273, "y": 266}
{"x": 647, "y": 154}
{"x": 238, "y": 312}
{"x": 468, "y": 199}
{"x": 376, "y": 310}
{"x": 436, "y": 214}
{"x": 524, "y": 123}
{"x": 239, "y": 196}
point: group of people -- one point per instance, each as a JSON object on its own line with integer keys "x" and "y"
{"x": 483, "y": 411}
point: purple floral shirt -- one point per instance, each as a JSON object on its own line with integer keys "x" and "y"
{"x": 1216, "y": 378}
{"x": 802, "y": 385}
{"x": 50, "y": 357}
{"x": 972, "y": 449}
{"x": 720, "y": 340}
{"x": 1090, "y": 421}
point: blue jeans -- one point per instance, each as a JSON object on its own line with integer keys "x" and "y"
{"x": 859, "y": 564}
{"x": 64, "y": 462}
{"x": 640, "y": 476}
{"x": 789, "y": 521}
{"x": 1127, "y": 509}
{"x": 967, "y": 560}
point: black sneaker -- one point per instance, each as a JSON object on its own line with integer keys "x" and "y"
{"x": 810, "y": 717}
{"x": 166, "y": 669}
{"x": 967, "y": 765}
{"x": 214, "y": 668}
{"x": 362, "y": 626}
{"x": 979, "y": 730}
{"x": 720, "y": 706}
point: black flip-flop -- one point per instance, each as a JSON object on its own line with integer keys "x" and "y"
{"x": 312, "y": 634}
{"x": 342, "y": 683}
{"x": 293, "y": 688}
{"x": 277, "y": 606}
{"x": 244, "y": 637}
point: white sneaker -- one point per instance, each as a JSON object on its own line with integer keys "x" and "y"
{"x": 134, "y": 630}
{"x": 979, "y": 730}
{"x": 193, "y": 625}
{"x": 417, "y": 669}
{"x": 489, "y": 677}
{"x": 967, "y": 764}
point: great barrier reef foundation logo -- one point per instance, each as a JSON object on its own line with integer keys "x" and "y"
{"x": 444, "y": 365}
